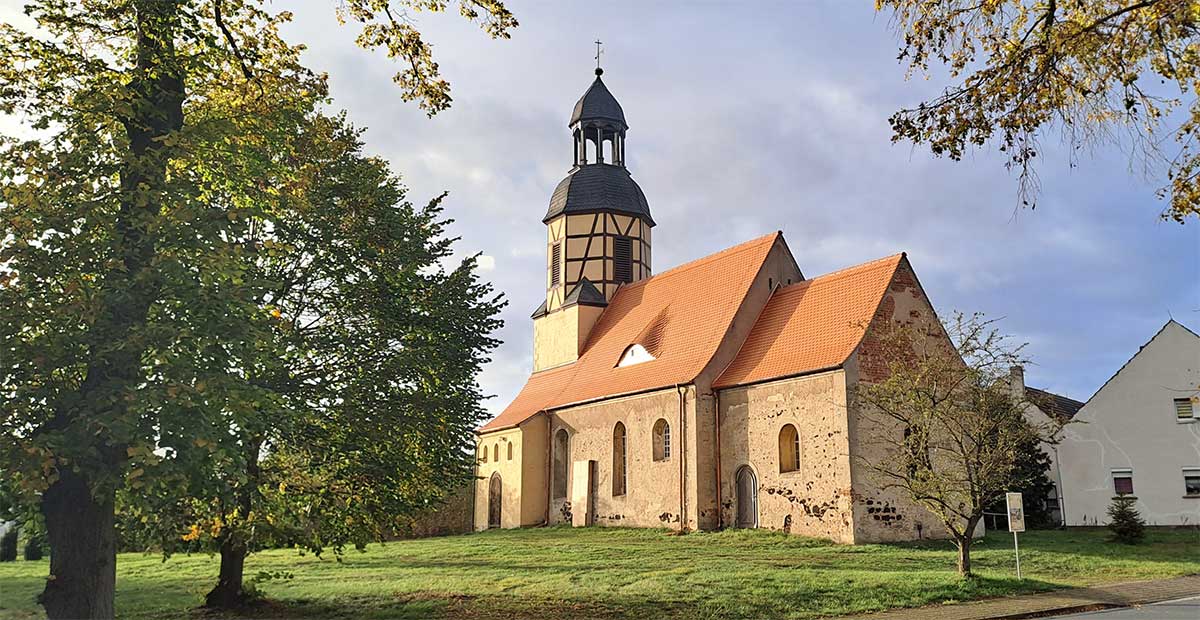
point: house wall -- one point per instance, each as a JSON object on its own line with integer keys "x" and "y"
{"x": 886, "y": 515}
{"x": 652, "y": 497}
{"x": 523, "y": 476}
{"x": 814, "y": 500}
{"x": 1131, "y": 423}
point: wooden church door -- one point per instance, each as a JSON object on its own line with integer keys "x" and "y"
{"x": 747, "y": 498}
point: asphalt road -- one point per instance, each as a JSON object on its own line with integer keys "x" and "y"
{"x": 1181, "y": 609}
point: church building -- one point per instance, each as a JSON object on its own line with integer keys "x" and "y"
{"x": 714, "y": 394}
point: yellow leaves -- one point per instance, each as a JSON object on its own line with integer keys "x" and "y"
{"x": 138, "y": 450}
{"x": 193, "y": 533}
{"x": 276, "y": 313}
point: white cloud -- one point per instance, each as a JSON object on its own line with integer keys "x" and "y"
{"x": 783, "y": 125}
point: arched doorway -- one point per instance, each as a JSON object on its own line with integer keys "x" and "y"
{"x": 494, "y": 499}
{"x": 747, "y": 497}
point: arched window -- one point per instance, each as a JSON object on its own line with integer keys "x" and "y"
{"x": 789, "y": 448}
{"x": 618, "y": 460}
{"x": 510, "y": 450}
{"x": 662, "y": 440}
{"x": 496, "y": 452}
{"x": 483, "y": 454}
{"x": 562, "y": 461}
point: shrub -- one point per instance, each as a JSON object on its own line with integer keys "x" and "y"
{"x": 33, "y": 548}
{"x": 8, "y": 545}
{"x": 1124, "y": 521}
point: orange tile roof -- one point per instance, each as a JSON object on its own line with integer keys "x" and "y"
{"x": 811, "y": 325}
{"x": 686, "y": 311}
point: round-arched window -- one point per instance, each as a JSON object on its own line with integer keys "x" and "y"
{"x": 662, "y": 440}
{"x": 789, "y": 448}
{"x": 618, "y": 457}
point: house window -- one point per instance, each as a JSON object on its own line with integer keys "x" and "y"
{"x": 623, "y": 259}
{"x": 1184, "y": 412}
{"x": 496, "y": 453}
{"x": 789, "y": 449}
{"x": 618, "y": 482}
{"x": 510, "y": 450}
{"x": 556, "y": 264}
{"x": 483, "y": 454}
{"x": 1122, "y": 481}
{"x": 662, "y": 440}
{"x": 1191, "y": 481}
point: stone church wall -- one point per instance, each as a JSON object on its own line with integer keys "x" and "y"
{"x": 652, "y": 496}
{"x": 814, "y": 500}
{"x": 885, "y": 515}
{"x": 518, "y": 457}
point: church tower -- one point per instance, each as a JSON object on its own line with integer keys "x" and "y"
{"x": 597, "y": 231}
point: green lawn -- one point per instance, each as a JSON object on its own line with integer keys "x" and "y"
{"x": 610, "y": 573}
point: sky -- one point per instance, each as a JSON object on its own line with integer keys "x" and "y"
{"x": 750, "y": 118}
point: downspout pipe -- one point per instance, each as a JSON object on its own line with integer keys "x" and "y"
{"x": 683, "y": 518}
{"x": 717, "y": 420}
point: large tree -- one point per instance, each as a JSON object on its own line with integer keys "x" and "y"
{"x": 151, "y": 125}
{"x": 946, "y": 428}
{"x": 353, "y": 403}
{"x": 1095, "y": 71}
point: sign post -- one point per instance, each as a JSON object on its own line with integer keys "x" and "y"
{"x": 1016, "y": 523}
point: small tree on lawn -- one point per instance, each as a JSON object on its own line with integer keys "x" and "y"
{"x": 946, "y": 428}
{"x": 1124, "y": 521}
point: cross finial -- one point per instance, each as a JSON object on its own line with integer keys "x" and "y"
{"x": 598, "y": 53}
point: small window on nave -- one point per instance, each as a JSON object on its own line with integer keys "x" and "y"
{"x": 662, "y": 440}
{"x": 789, "y": 449}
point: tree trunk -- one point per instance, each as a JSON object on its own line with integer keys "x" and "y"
{"x": 229, "y": 593}
{"x": 83, "y": 548}
{"x": 79, "y": 508}
{"x": 964, "y": 556}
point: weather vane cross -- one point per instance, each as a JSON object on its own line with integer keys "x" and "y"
{"x": 598, "y": 52}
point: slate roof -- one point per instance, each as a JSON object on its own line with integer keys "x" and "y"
{"x": 598, "y": 188}
{"x": 685, "y": 330}
{"x": 811, "y": 325}
{"x": 585, "y": 293}
{"x": 1053, "y": 404}
{"x": 597, "y": 104}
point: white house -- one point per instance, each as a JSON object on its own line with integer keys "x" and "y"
{"x": 1138, "y": 435}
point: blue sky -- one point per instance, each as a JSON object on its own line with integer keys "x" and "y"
{"x": 751, "y": 118}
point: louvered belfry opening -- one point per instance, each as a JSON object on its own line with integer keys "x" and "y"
{"x": 556, "y": 264}
{"x": 623, "y": 259}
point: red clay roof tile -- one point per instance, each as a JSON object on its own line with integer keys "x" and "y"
{"x": 686, "y": 310}
{"x": 811, "y": 325}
